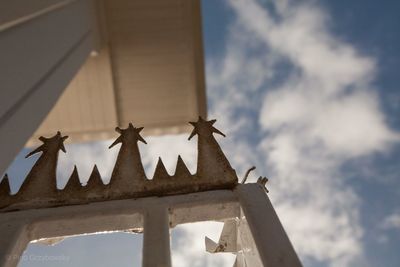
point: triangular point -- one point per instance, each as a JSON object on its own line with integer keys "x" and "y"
{"x": 94, "y": 178}
{"x": 160, "y": 171}
{"x": 181, "y": 168}
{"x": 73, "y": 182}
{"x": 5, "y": 185}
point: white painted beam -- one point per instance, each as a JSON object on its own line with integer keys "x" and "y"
{"x": 39, "y": 57}
{"x": 18, "y": 228}
{"x": 13, "y": 240}
{"x": 260, "y": 230}
{"x": 156, "y": 237}
{"x": 21, "y": 11}
{"x": 273, "y": 244}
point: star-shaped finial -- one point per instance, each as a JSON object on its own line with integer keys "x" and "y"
{"x": 129, "y": 134}
{"x": 205, "y": 128}
{"x": 55, "y": 142}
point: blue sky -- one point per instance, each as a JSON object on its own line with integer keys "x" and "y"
{"x": 308, "y": 92}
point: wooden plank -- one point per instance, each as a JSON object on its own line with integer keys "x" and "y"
{"x": 87, "y": 104}
{"x": 13, "y": 241}
{"x": 19, "y": 227}
{"x": 124, "y": 4}
{"x": 156, "y": 72}
{"x": 37, "y": 62}
{"x": 248, "y": 256}
{"x": 152, "y": 67}
{"x": 30, "y": 50}
{"x": 21, "y": 11}
{"x": 156, "y": 238}
{"x": 152, "y": 26}
{"x": 270, "y": 238}
{"x": 139, "y": 14}
{"x": 198, "y": 59}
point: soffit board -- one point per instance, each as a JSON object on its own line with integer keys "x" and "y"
{"x": 148, "y": 70}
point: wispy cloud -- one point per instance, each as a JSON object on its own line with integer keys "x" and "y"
{"x": 188, "y": 247}
{"x": 85, "y": 156}
{"x": 392, "y": 221}
{"x": 300, "y": 102}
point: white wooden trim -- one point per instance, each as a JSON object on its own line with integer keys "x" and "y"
{"x": 156, "y": 237}
{"x": 273, "y": 245}
{"x": 39, "y": 58}
{"x": 156, "y": 216}
{"x": 25, "y": 13}
{"x": 20, "y": 227}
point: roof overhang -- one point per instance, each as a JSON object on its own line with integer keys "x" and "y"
{"x": 147, "y": 68}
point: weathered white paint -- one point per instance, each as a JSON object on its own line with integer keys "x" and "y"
{"x": 86, "y": 107}
{"x": 227, "y": 241}
{"x": 148, "y": 70}
{"x": 20, "y": 227}
{"x": 39, "y": 57}
{"x": 156, "y": 216}
{"x": 156, "y": 239}
{"x": 273, "y": 245}
{"x": 248, "y": 255}
{"x": 21, "y": 11}
{"x": 156, "y": 55}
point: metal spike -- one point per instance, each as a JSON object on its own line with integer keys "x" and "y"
{"x": 128, "y": 176}
{"x": 140, "y": 138}
{"x": 181, "y": 170}
{"x": 193, "y": 133}
{"x": 62, "y": 147}
{"x": 5, "y": 185}
{"x": 94, "y": 178}
{"x": 43, "y": 139}
{"x": 118, "y": 140}
{"x": 160, "y": 171}
{"x": 215, "y": 130}
{"x": 73, "y": 180}
{"x": 37, "y": 150}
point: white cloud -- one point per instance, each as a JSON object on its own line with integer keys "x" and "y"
{"x": 188, "y": 248}
{"x": 392, "y": 221}
{"x": 168, "y": 148}
{"x": 310, "y": 94}
{"x": 85, "y": 156}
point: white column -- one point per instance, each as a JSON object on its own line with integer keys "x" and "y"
{"x": 60, "y": 37}
{"x": 272, "y": 243}
{"x": 13, "y": 241}
{"x": 156, "y": 239}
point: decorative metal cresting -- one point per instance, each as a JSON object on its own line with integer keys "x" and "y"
{"x": 128, "y": 179}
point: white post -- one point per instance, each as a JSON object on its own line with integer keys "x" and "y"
{"x": 272, "y": 243}
{"x": 156, "y": 237}
{"x": 13, "y": 241}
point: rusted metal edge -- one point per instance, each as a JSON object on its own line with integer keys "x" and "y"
{"x": 128, "y": 179}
